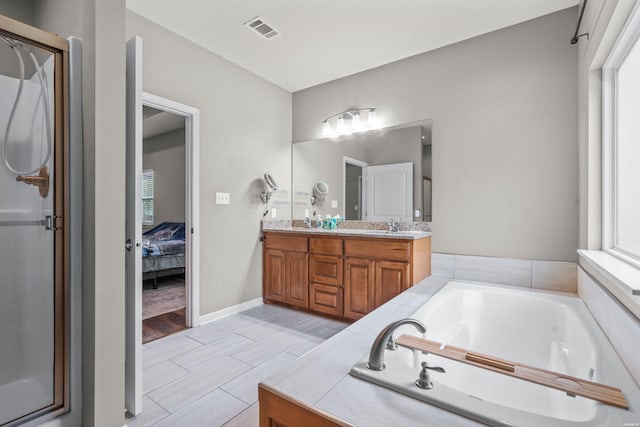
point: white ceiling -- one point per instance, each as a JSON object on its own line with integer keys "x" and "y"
{"x": 157, "y": 122}
{"x": 324, "y": 40}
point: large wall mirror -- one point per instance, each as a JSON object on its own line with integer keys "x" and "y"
{"x": 372, "y": 176}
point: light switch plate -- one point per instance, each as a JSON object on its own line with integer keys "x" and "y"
{"x": 223, "y": 198}
{"x": 306, "y": 213}
{"x": 273, "y": 212}
{"x": 334, "y": 203}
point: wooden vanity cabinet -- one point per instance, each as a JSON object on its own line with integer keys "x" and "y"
{"x": 391, "y": 278}
{"x": 286, "y": 269}
{"x": 326, "y": 275}
{"x": 359, "y": 287}
{"x": 375, "y": 273}
{"x": 274, "y": 274}
{"x": 342, "y": 276}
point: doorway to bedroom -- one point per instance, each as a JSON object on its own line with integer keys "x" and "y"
{"x": 163, "y": 224}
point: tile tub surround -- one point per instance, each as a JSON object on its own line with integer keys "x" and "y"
{"x": 328, "y": 387}
{"x": 621, "y": 326}
{"x": 548, "y": 275}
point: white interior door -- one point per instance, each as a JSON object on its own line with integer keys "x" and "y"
{"x": 389, "y": 190}
{"x": 133, "y": 361}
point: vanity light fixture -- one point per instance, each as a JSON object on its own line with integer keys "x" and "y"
{"x": 349, "y": 122}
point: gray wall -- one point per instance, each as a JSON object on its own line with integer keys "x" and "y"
{"x": 245, "y": 131}
{"x": 165, "y": 155}
{"x": 504, "y": 134}
{"x": 20, "y": 10}
{"x": 101, "y": 26}
{"x": 322, "y": 160}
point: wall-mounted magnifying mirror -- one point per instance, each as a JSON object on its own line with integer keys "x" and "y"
{"x": 320, "y": 189}
{"x": 270, "y": 185}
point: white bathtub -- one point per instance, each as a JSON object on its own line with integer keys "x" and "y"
{"x": 546, "y": 330}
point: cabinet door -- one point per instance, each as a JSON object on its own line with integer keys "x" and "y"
{"x": 275, "y": 275}
{"x": 358, "y": 287}
{"x": 325, "y": 299}
{"x": 325, "y": 269}
{"x": 392, "y": 277}
{"x": 297, "y": 284}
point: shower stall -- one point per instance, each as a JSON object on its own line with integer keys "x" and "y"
{"x": 33, "y": 225}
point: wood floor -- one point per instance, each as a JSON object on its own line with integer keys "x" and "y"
{"x": 208, "y": 376}
{"x": 163, "y": 325}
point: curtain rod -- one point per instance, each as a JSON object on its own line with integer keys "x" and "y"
{"x": 576, "y": 37}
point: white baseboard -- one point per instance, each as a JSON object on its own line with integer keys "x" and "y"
{"x": 234, "y": 309}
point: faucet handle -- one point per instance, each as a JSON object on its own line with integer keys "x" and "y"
{"x": 425, "y": 365}
{"x": 424, "y": 379}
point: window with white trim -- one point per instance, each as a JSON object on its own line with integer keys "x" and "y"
{"x": 147, "y": 197}
{"x": 621, "y": 143}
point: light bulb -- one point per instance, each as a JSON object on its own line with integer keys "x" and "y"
{"x": 340, "y": 126}
{"x": 326, "y": 129}
{"x": 372, "y": 121}
{"x": 356, "y": 123}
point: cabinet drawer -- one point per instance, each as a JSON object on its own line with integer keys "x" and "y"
{"x": 325, "y": 299}
{"x": 325, "y": 269}
{"x": 396, "y": 250}
{"x": 286, "y": 243}
{"x": 323, "y": 245}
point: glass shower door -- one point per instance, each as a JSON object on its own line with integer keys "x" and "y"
{"x": 31, "y": 268}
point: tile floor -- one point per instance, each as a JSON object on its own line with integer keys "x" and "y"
{"x": 208, "y": 376}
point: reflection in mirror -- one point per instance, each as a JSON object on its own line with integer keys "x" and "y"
{"x": 320, "y": 189}
{"x": 373, "y": 176}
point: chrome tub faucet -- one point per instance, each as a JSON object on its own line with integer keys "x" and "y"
{"x": 385, "y": 340}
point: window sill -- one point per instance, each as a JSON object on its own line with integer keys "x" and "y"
{"x": 618, "y": 277}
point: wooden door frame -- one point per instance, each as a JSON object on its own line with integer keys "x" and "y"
{"x": 192, "y": 199}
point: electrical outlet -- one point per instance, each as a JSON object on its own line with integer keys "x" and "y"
{"x": 334, "y": 203}
{"x": 306, "y": 213}
{"x": 273, "y": 213}
{"x": 417, "y": 213}
{"x": 223, "y": 198}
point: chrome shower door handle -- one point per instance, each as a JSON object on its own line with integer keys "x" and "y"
{"x": 128, "y": 245}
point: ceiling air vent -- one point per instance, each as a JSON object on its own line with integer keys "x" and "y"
{"x": 263, "y": 29}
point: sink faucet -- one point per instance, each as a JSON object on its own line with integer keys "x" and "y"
{"x": 394, "y": 226}
{"x": 385, "y": 340}
{"x": 307, "y": 221}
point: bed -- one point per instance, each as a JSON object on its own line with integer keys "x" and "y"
{"x": 163, "y": 251}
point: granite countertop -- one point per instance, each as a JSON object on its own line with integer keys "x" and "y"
{"x": 377, "y": 234}
{"x": 320, "y": 379}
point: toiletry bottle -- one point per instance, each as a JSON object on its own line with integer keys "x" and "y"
{"x": 319, "y": 220}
